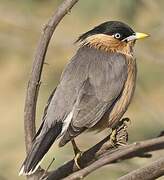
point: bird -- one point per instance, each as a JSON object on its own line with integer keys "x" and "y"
{"x": 95, "y": 89}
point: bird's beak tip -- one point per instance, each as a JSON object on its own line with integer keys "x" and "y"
{"x": 141, "y": 35}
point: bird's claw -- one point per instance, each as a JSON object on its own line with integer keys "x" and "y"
{"x": 76, "y": 158}
{"x": 119, "y": 135}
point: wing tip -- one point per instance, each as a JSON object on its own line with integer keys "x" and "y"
{"x": 21, "y": 172}
{"x": 24, "y": 172}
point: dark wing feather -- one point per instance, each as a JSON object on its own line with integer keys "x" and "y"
{"x": 45, "y": 113}
{"x": 106, "y": 77}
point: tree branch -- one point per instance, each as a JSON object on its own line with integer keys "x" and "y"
{"x": 97, "y": 157}
{"x": 35, "y": 76}
{"x": 150, "y": 172}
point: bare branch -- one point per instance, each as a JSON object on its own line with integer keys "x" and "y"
{"x": 152, "y": 171}
{"x": 35, "y": 76}
{"x": 97, "y": 157}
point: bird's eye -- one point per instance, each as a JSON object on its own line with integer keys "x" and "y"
{"x": 117, "y": 35}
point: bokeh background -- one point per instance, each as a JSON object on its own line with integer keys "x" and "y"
{"x": 21, "y": 23}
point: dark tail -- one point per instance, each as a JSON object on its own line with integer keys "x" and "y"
{"x": 40, "y": 146}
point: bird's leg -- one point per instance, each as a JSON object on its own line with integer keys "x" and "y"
{"x": 77, "y": 153}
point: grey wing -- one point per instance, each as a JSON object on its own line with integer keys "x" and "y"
{"x": 63, "y": 98}
{"x": 106, "y": 77}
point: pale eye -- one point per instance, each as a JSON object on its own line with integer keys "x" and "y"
{"x": 117, "y": 35}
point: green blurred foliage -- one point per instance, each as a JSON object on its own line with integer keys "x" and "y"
{"x": 21, "y": 23}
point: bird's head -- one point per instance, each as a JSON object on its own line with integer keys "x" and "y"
{"x": 111, "y": 35}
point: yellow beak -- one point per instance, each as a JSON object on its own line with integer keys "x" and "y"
{"x": 141, "y": 35}
{"x": 136, "y": 36}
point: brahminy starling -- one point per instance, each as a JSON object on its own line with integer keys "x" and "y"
{"x": 94, "y": 91}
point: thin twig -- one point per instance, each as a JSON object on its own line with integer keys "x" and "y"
{"x": 46, "y": 170}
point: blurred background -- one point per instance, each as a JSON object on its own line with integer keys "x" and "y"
{"x": 21, "y": 23}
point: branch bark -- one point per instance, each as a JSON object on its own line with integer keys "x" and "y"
{"x": 97, "y": 157}
{"x": 35, "y": 76}
{"x": 150, "y": 172}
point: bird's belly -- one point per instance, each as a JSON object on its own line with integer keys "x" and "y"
{"x": 114, "y": 114}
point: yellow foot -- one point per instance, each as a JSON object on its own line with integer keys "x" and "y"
{"x": 76, "y": 158}
{"x": 122, "y": 133}
{"x": 113, "y": 139}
